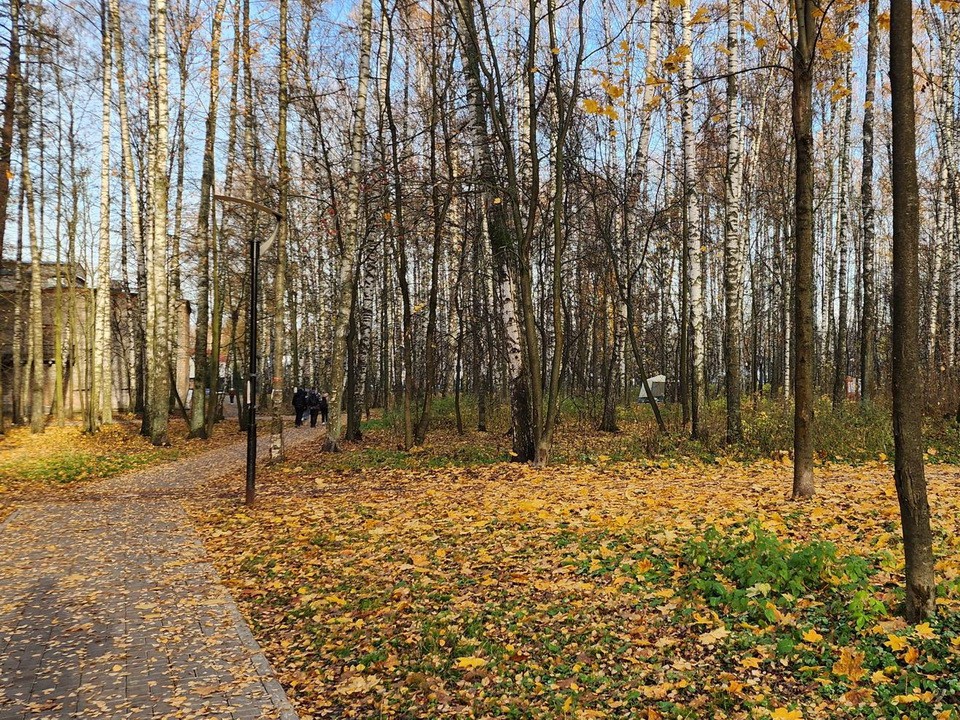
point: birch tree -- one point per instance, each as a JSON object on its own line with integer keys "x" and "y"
{"x": 498, "y": 229}
{"x": 102, "y": 395}
{"x": 868, "y": 320}
{"x": 201, "y": 359}
{"x": 733, "y": 233}
{"x": 351, "y": 227}
{"x": 840, "y": 357}
{"x": 158, "y": 358}
{"x": 691, "y": 232}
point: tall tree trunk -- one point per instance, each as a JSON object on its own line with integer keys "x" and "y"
{"x": 439, "y": 209}
{"x": 277, "y": 396}
{"x": 868, "y": 321}
{"x": 804, "y": 50}
{"x": 58, "y": 327}
{"x": 18, "y": 292}
{"x": 400, "y": 236}
{"x": 564, "y": 106}
{"x": 692, "y": 238}
{"x": 840, "y": 356}
{"x": 72, "y": 223}
{"x": 34, "y": 378}
{"x": 947, "y": 231}
{"x": 525, "y": 181}
{"x": 180, "y": 139}
{"x": 733, "y": 234}
{"x": 497, "y": 219}
{"x": 102, "y": 334}
{"x": 201, "y": 360}
{"x": 618, "y": 320}
{"x": 158, "y": 360}
{"x": 367, "y": 283}
{"x": 6, "y": 135}
{"x": 351, "y": 227}
{"x": 217, "y": 274}
{"x": 907, "y": 403}
{"x": 483, "y": 340}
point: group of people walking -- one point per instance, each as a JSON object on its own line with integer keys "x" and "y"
{"x": 308, "y": 399}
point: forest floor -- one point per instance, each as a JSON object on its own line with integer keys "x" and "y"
{"x": 444, "y": 582}
{"x": 639, "y": 576}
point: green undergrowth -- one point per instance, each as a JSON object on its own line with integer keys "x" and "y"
{"x": 71, "y": 467}
{"x": 65, "y": 455}
{"x": 854, "y": 435}
{"x": 728, "y": 621}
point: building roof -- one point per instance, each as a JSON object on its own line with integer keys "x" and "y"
{"x": 48, "y": 274}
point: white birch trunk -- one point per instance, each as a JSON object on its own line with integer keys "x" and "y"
{"x": 157, "y": 318}
{"x": 692, "y": 238}
{"x": 733, "y": 233}
{"x": 102, "y": 335}
{"x": 840, "y": 356}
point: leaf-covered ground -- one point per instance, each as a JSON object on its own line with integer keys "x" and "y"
{"x": 46, "y": 465}
{"x": 603, "y": 590}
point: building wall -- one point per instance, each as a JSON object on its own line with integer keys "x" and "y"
{"x": 75, "y": 364}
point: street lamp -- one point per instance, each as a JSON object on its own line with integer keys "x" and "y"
{"x": 256, "y": 247}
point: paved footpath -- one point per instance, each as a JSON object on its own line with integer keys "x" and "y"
{"x": 109, "y": 608}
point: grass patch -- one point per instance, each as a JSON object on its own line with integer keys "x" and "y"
{"x": 37, "y": 466}
{"x": 853, "y": 435}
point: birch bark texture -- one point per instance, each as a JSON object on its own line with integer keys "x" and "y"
{"x": 498, "y": 231}
{"x": 158, "y": 359}
{"x": 102, "y": 397}
{"x": 691, "y": 234}
{"x": 840, "y": 355}
{"x": 129, "y": 181}
{"x": 6, "y": 132}
{"x": 868, "y": 315}
{"x": 733, "y": 233}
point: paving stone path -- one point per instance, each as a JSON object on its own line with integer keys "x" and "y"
{"x": 109, "y": 608}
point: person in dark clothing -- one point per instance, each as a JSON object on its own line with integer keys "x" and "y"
{"x": 313, "y": 402}
{"x": 299, "y": 405}
{"x": 324, "y": 409}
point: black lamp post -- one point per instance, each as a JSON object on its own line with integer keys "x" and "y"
{"x": 256, "y": 247}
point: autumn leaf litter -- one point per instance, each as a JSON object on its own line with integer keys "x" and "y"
{"x": 610, "y": 590}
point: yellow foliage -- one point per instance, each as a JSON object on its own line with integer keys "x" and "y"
{"x": 702, "y": 15}
{"x": 925, "y": 631}
{"x": 895, "y": 643}
{"x": 612, "y": 89}
{"x": 784, "y": 714}
{"x": 850, "y": 664}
